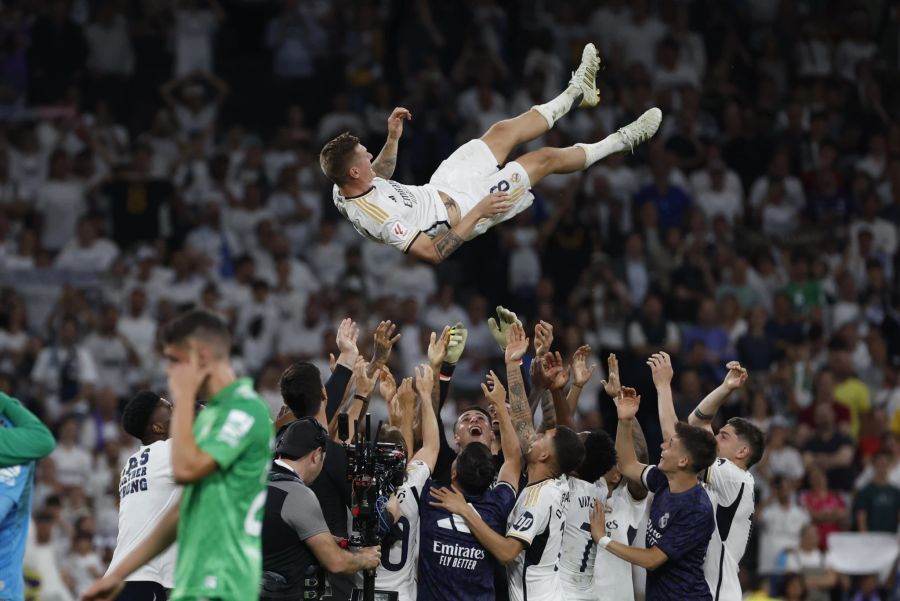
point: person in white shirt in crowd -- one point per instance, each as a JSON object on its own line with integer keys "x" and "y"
{"x": 808, "y": 559}
{"x": 83, "y": 563}
{"x": 43, "y": 560}
{"x": 258, "y": 323}
{"x": 113, "y": 354}
{"x": 718, "y": 199}
{"x": 72, "y": 462}
{"x": 88, "y": 251}
{"x": 780, "y": 521}
{"x": 195, "y": 24}
{"x": 883, "y": 231}
{"x": 138, "y": 327}
{"x": 443, "y": 310}
{"x": 215, "y": 242}
{"x": 60, "y": 201}
{"x": 147, "y": 490}
{"x": 64, "y": 372}
{"x": 195, "y": 111}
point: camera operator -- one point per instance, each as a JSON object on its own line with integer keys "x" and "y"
{"x": 305, "y": 396}
{"x": 297, "y": 542}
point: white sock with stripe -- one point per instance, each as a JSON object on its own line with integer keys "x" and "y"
{"x": 559, "y": 106}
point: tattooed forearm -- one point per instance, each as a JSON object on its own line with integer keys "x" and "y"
{"x": 452, "y": 209}
{"x": 386, "y": 161}
{"x": 549, "y": 411}
{"x": 447, "y": 244}
{"x": 520, "y": 412}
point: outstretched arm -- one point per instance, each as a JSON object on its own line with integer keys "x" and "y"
{"x": 435, "y": 251}
{"x": 627, "y": 408}
{"x": 706, "y": 411}
{"x": 386, "y": 161}
{"x": 520, "y": 412}
{"x": 512, "y": 453}
{"x": 661, "y": 368}
{"x": 581, "y": 374}
{"x": 650, "y": 558}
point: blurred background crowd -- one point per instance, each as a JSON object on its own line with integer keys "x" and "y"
{"x": 156, "y": 155}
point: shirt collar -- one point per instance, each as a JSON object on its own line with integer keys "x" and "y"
{"x": 229, "y": 390}
{"x": 281, "y": 463}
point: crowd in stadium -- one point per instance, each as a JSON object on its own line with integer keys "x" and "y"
{"x": 158, "y": 156}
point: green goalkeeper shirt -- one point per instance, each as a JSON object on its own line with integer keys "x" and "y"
{"x": 219, "y": 547}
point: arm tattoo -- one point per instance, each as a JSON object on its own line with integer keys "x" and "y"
{"x": 520, "y": 412}
{"x": 447, "y": 244}
{"x": 549, "y": 410}
{"x": 384, "y": 168}
{"x": 452, "y": 209}
{"x": 702, "y": 416}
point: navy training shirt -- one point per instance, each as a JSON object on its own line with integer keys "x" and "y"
{"x": 453, "y": 565}
{"x": 681, "y": 525}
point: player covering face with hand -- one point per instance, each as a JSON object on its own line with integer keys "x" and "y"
{"x": 475, "y": 188}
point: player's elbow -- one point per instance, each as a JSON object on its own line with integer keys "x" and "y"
{"x": 184, "y": 473}
{"x": 655, "y": 559}
{"x": 44, "y": 444}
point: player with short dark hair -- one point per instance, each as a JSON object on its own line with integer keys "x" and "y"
{"x": 681, "y": 515}
{"x": 222, "y": 460}
{"x": 739, "y": 446}
{"x": 475, "y": 188}
{"x": 147, "y": 491}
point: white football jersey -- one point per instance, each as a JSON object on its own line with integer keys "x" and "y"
{"x": 146, "y": 491}
{"x": 397, "y": 571}
{"x": 538, "y": 521}
{"x": 730, "y": 489}
{"x": 624, "y": 515}
{"x": 639, "y": 574}
{"x": 576, "y": 562}
{"x": 394, "y": 213}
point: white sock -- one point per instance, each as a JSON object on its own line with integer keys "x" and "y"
{"x": 611, "y": 144}
{"x": 559, "y": 106}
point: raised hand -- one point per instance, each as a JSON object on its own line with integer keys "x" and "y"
{"x": 543, "y": 338}
{"x": 458, "y": 336}
{"x": 612, "y": 386}
{"x": 384, "y": 343}
{"x": 494, "y": 391}
{"x": 581, "y": 373}
{"x": 661, "y": 369}
{"x": 365, "y": 383}
{"x": 629, "y": 403}
{"x": 554, "y": 370}
{"x": 185, "y": 378}
{"x": 388, "y": 386}
{"x": 500, "y": 326}
{"x": 407, "y": 397}
{"x": 437, "y": 348}
{"x": 395, "y": 411}
{"x": 516, "y": 343}
{"x": 395, "y": 121}
{"x": 347, "y": 335}
{"x": 424, "y": 381}
{"x": 736, "y": 376}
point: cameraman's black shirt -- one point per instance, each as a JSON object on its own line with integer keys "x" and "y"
{"x": 333, "y": 489}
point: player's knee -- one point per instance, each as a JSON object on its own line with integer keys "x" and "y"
{"x": 499, "y": 129}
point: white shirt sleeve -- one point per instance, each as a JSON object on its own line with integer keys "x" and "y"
{"x": 725, "y": 479}
{"x": 531, "y": 514}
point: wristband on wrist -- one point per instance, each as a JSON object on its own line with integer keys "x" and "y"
{"x": 575, "y": 385}
{"x": 604, "y": 542}
{"x": 359, "y": 397}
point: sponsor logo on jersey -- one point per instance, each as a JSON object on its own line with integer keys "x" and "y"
{"x": 9, "y": 475}
{"x": 664, "y": 520}
{"x": 458, "y": 556}
{"x": 524, "y": 522}
{"x": 237, "y": 424}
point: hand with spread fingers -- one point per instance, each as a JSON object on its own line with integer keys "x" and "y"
{"x": 517, "y": 343}
{"x": 458, "y": 336}
{"x": 736, "y": 376}
{"x": 661, "y": 369}
{"x": 450, "y": 499}
{"x": 581, "y": 373}
{"x": 543, "y": 338}
{"x": 387, "y": 387}
{"x": 384, "y": 342}
{"x": 437, "y": 348}
{"x": 629, "y": 403}
{"x": 556, "y": 372}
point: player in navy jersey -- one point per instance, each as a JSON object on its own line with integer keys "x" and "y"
{"x": 453, "y": 564}
{"x": 681, "y": 515}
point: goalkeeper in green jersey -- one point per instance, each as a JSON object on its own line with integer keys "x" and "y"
{"x": 222, "y": 460}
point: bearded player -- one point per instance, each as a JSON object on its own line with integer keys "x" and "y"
{"x": 470, "y": 192}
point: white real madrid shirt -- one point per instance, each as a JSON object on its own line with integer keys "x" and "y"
{"x": 146, "y": 491}
{"x": 538, "y": 521}
{"x": 730, "y": 489}
{"x": 393, "y": 213}
{"x": 397, "y": 571}
{"x": 624, "y": 518}
{"x": 579, "y": 551}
